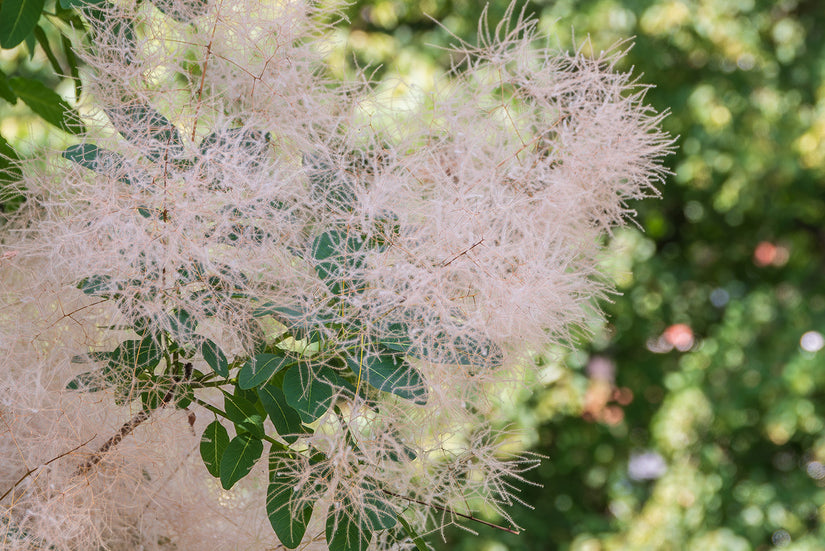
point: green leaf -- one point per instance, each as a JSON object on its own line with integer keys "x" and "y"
{"x": 310, "y": 396}
{"x": 379, "y": 513}
{"x": 137, "y": 355}
{"x": 118, "y": 31}
{"x": 289, "y": 524}
{"x": 90, "y": 357}
{"x": 97, "y": 286}
{"x": 337, "y": 255}
{"x": 149, "y": 130}
{"x": 387, "y": 370}
{"x": 239, "y": 458}
{"x": 253, "y": 143}
{"x": 214, "y": 441}
{"x": 90, "y": 381}
{"x": 416, "y": 539}
{"x": 215, "y": 357}
{"x": 5, "y": 90}
{"x": 344, "y": 532}
{"x": 17, "y": 20}
{"x": 244, "y": 414}
{"x": 329, "y": 183}
{"x": 258, "y": 369}
{"x": 10, "y": 175}
{"x": 101, "y": 161}
{"x": 286, "y": 420}
{"x": 46, "y": 103}
{"x": 182, "y": 325}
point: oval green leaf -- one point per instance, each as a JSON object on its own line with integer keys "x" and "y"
{"x": 258, "y": 369}
{"x": 215, "y": 357}
{"x": 137, "y": 355}
{"x": 149, "y": 130}
{"x": 286, "y": 420}
{"x": 289, "y": 524}
{"x": 48, "y": 104}
{"x": 344, "y": 532}
{"x": 239, "y": 458}
{"x": 214, "y": 441}
{"x": 310, "y": 396}
{"x": 17, "y": 20}
{"x": 244, "y": 414}
{"x": 387, "y": 370}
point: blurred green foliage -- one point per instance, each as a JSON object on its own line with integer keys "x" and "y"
{"x": 695, "y": 419}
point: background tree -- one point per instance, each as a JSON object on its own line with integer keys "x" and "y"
{"x": 696, "y": 419}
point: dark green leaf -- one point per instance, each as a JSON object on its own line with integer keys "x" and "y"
{"x": 239, "y": 458}
{"x": 90, "y": 381}
{"x": 10, "y": 175}
{"x": 138, "y": 355}
{"x": 378, "y": 513}
{"x": 97, "y": 286}
{"x": 149, "y": 130}
{"x": 310, "y": 396}
{"x": 5, "y": 90}
{"x": 253, "y": 143}
{"x": 214, "y": 441}
{"x": 17, "y": 20}
{"x": 101, "y": 161}
{"x": 281, "y": 504}
{"x": 118, "y": 30}
{"x": 286, "y": 420}
{"x": 182, "y": 325}
{"x": 387, "y": 370}
{"x": 328, "y": 183}
{"x": 215, "y": 357}
{"x": 244, "y": 414}
{"x": 91, "y": 357}
{"x": 344, "y": 531}
{"x": 46, "y": 103}
{"x": 258, "y": 369}
{"x": 337, "y": 255}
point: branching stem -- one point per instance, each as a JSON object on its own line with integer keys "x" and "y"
{"x": 453, "y": 512}
{"x": 52, "y": 460}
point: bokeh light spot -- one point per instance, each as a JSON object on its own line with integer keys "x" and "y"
{"x": 812, "y": 341}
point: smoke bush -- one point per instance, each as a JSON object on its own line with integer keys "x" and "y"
{"x": 343, "y": 280}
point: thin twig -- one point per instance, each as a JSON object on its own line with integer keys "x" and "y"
{"x": 462, "y": 253}
{"x": 52, "y": 460}
{"x": 124, "y": 431}
{"x": 453, "y": 512}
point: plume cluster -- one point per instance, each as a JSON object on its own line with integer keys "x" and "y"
{"x": 466, "y": 225}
